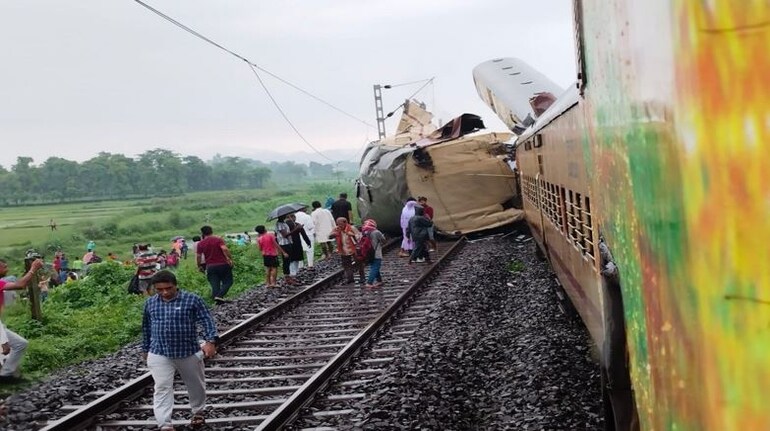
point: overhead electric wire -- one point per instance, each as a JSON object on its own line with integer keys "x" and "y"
{"x": 240, "y": 57}
{"x": 285, "y": 117}
{"x": 406, "y": 83}
{"x": 427, "y": 81}
{"x": 254, "y": 68}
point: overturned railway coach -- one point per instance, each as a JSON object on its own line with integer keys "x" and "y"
{"x": 659, "y": 156}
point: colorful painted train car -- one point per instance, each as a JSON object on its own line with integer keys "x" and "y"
{"x": 659, "y": 156}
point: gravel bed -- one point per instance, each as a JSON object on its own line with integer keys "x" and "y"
{"x": 496, "y": 354}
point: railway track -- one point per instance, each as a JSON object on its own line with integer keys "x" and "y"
{"x": 274, "y": 363}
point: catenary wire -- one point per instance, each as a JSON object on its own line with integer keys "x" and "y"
{"x": 254, "y": 67}
{"x": 285, "y": 117}
{"x": 406, "y": 83}
{"x": 428, "y": 81}
{"x": 260, "y": 68}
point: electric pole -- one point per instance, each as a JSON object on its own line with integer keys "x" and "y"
{"x": 380, "y": 112}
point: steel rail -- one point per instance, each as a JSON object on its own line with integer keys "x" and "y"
{"x": 85, "y": 416}
{"x": 286, "y": 412}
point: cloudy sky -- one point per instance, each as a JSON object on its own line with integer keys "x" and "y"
{"x": 80, "y": 77}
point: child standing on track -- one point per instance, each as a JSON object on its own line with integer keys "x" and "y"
{"x": 269, "y": 247}
{"x": 369, "y": 229}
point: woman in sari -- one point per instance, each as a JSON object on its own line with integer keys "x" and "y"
{"x": 406, "y": 214}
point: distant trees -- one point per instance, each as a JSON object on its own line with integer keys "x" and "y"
{"x": 157, "y": 172}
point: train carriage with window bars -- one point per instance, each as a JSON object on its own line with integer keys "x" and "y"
{"x": 658, "y": 155}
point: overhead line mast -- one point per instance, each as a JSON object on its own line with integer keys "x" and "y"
{"x": 380, "y": 111}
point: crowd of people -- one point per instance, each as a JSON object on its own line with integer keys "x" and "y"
{"x": 296, "y": 233}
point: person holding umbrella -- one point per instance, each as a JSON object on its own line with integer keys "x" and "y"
{"x": 283, "y": 234}
{"x": 284, "y": 210}
{"x": 298, "y": 234}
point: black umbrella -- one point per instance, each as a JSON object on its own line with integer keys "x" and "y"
{"x": 285, "y": 209}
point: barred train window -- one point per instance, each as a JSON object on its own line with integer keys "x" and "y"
{"x": 572, "y": 223}
{"x": 578, "y": 237}
{"x": 562, "y": 210}
{"x": 588, "y": 231}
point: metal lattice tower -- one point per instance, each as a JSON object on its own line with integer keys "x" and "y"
{"x": 380, "y": 112}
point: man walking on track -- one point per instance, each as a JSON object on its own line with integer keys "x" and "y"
{"x": 219, "y": 263}
{"x": 324, "y": 224}
{"x": 307, "y": 223}
{"x": 170, "y": 344}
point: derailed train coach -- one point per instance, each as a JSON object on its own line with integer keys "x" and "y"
{"x": 465, "y": 175}
{"x": 658, "y": 156}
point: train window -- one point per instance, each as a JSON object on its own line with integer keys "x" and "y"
{"x": 551, "y": 212}
{"x": 588, "y": 230}
{"x": 572, "y": 217}
{"x": 528, "y": 144}
{"x": 562, "y": 209}
{"x": 577, "y": 236}
{"x": 538, "y": 141}
{"x": 577, "y": 13}
{"x": 530, "y": 190}
{"x": 543, "y": 196}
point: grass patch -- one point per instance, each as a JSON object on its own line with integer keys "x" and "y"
{"x": 515, "y": 266}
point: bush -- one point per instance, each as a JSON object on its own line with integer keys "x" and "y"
{"x": 103, "y": 231}
{"x": 53, "y": 246}
{"x": 324, "y": 189}
{"x": 106, "y": 282}
{"x": 175, "y": 219}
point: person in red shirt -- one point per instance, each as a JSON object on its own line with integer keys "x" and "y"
{"x": 270, "y": 248}
{"x": 219, "y": 263}
{"x": 14, "y": 345}
{"x": 428, "y": 212}
{"x": 347, "y": 236}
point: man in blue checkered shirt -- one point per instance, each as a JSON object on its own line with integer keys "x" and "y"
{"x": 170, "y": 343}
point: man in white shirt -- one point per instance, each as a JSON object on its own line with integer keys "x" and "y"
{"x": 307, "y": 223}
{"x": 324, "y": 225}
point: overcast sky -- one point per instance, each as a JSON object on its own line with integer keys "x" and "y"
{"x": 80, "y": 77}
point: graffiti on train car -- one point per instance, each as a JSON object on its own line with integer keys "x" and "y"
{"x": 677, "y": 105}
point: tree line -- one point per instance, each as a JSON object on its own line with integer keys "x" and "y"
{"x": 157, "y": 172}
